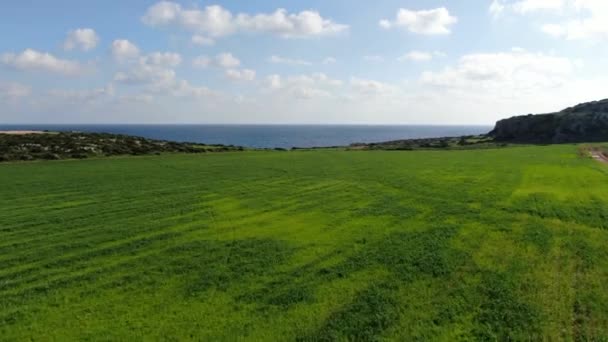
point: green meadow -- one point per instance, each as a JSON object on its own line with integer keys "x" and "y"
{"x": 326, "y": 245}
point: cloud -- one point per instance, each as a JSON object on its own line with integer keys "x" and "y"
{"x": 83, "y": 96}
{"x": 509, "y": 72}
{"x": 183, "y": 88}
{"x": 498, "y": 7}
{"x": 153, "y": 68}
{"x": 590, "y": 21}
{"x": 198, "y": 39}
{"x": 136, "y": 98}
{"x": 527, "y": 6}
{"x": 420, "y": 56}
{"x": 431, "y": 22}
{"x": 12, "y": 91}
{"x": 161, "y": 81}
{"x": 303, "y": 87}
{"x": 84, "y": 39}
{"x": 227, "y": 60}
{"x": 216, "y": 21}
{"x": 289, "y": 61}
{"x": 274, "y": 81}
{"x": 123, "y": 50}
{"x": 575, "y": 19}
{"x": 330, "y": 60}
{"x": 223, "y": 60}
{"x": 554, "y": 30}
{"x": 32, "y": 60}
{"x": 155, "y": 73}
{"x": 145, "y": 74}
{"x": 240, "y": 75}
{"x": 167, "y": 59}
{"x": 368, "y": 87}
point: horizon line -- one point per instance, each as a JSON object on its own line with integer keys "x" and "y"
{"x": 243, "y": 124}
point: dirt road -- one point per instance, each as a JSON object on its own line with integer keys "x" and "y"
{"x": 599, "y": 156}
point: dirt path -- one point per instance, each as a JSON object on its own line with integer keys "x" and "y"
{"x": 599, "y": 156}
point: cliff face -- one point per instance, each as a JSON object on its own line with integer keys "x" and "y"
{"x": 585, "y": 122}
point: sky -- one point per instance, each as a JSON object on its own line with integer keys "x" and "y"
{"x": 456, "y": 62}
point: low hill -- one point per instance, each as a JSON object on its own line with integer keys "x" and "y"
{"x": 65, "y": 145}
{"x": 586, "y": 122}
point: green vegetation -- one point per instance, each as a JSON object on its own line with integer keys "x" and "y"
{"x": 467, "y": 142}
{"x": 74, "y": 145}
{"x": 488, "y": 244}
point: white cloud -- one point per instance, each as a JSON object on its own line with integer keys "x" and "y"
{"x": 161, "y": 81}
{"x": 167, "y": 59}
{"x": 227, "y": 60}
{"x": 590, "y": 21}
{"x": 511, "y": 72}
{"x": 32, "y": 60}
{"x": 240, "y": 75}
{"x": 274, "y": 81}
{"x": 496, "y": 7}
{"x": 155, "y": 73}
{"x": 152, "y": 69}
{"x": 432, "y": 22}
{"x": 136, "y": 98}
{"x": 198, "y": 39}
{"x": 145, "y": 74}
{"x": 554, "y": 30}
{"x": 368, "y": 87}
{"x": 303, "y": 87}
{"x": 503, "y": 84}
{"x": 223, "y": 60}
{"x": 123, "y": 50}
{"x": 330, "y": 60}
{"x": 216, "y": 21}
{"x": 526, "y": 6}
{"x": 83, "y": 96}
{"x": 183, "y": 88}
{"x": 13, "y": 91}
{"x": 420, "y": 56}
{"x": 575, "y": 19}
{"x": 281, "y": 60}
{"x": 84, "y": 39}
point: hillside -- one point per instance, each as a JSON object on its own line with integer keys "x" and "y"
{"x": 494, "y": 245}
{"x": 587, "y": 122}
{"x": 64, "y": 145}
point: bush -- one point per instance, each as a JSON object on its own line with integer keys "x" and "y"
{"x": 79, "y": 156}
{"x": 50, "y": 156}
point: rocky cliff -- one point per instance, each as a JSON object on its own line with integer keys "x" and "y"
{"x": 586, "y": 122}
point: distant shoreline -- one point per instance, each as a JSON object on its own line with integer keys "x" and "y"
{"x": 22, "y": 132}
{"x": 271, "y": 136}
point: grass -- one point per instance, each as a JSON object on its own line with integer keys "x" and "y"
{"x": 307, "y": 245}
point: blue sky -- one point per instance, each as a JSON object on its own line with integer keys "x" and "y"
{"x": 332, "y": 61}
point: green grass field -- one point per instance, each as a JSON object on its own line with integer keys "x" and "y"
{"x": 310, "y": 245}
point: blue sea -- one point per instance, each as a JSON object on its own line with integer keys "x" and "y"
{"x": 270, "y": 136}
